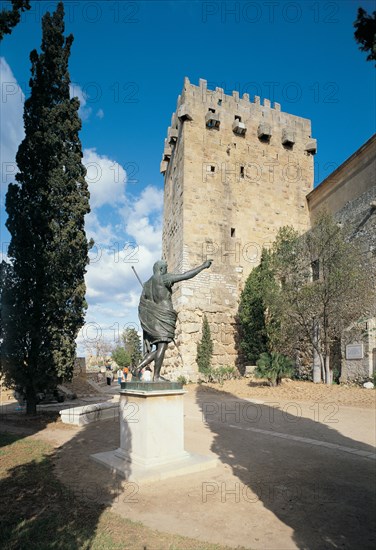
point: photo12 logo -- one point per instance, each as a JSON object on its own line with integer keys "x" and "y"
{"x": 268, "y": 492}
{"x": 88, "y": 12}
{"x": 270, "y": 12}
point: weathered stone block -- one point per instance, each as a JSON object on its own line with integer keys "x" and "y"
{"x": 288, "y": 136}
{"x": 212, "y": 120}
{"x": 264, "y": 130}
{"x": 163, "y": 166}
{"x": 239, "y": 128}
{"x": 311, "y": 146}
{"x": 172, "y": 135}
{"x": 184, "y": 113}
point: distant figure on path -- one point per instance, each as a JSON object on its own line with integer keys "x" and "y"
{"x": 147, "y": 375}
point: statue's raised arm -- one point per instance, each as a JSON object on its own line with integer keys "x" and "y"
{"x": 175, "y": 278}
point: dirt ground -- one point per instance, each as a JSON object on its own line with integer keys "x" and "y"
{"x": 289, "y": 390}
{"x": 277, "y": 481}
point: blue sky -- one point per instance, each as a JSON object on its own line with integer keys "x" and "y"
{"x": 127, "y": 65}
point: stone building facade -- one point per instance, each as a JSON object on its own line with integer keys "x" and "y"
{"x": 349, "y": 193}
{"x": 235, "y": 171}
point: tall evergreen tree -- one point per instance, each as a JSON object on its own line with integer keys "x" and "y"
{"x": 132, "y": 345}
{"x": 204, "y": 348}
{"x": 257, "y": 327}
{"x": 44, "y": 296}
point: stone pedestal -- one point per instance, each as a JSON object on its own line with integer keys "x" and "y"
{"x": 152, "y": 437}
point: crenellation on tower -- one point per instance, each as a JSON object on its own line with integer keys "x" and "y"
{"x": 235, "y": 171}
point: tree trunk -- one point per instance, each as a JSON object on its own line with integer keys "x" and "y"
{"x": 317, "y": 362}
{"x": 317, "y": 359}
{"x": 31, "y": 402}
{"x": 328, "y": 374}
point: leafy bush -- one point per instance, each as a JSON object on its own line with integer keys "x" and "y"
{"x": 121, "y": 357}
{"x": 274, "y": 366}
{"x": 219, "y": 374}
{"x": 182, "y": 380}
{"x": 303, "y": 372}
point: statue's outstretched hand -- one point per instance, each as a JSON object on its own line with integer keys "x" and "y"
{"x": 207, "y": 264}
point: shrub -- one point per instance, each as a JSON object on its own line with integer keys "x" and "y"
{"x": 182, "y": 380}
{"x": 219, "y": 374}
{"x": 274, "y": 366}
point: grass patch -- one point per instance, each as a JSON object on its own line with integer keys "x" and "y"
{"x": 38, "y": 512}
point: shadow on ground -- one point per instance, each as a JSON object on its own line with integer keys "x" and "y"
{"x": 38, "y": 509}
{"x": 326, "y": 495}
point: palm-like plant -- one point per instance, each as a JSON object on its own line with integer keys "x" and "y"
{"x": 274, "y": 366}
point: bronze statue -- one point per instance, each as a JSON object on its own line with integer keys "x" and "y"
{"x": 157, "y": 315}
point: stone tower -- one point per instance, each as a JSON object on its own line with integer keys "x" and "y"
{"x": 235, "y": 171}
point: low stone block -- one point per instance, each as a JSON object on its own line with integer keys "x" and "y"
{"x": 80, "y": 416}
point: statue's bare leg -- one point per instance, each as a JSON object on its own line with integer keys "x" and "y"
{"x": 148, "y": 358}
{"x": 160, "y": 352}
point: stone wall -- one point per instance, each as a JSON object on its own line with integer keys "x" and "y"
{"x": 235, "y": 172}
{"x": 79, "y": 367}
{"x": 349, "y": 193}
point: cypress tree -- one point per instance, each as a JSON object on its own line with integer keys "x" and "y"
{"x": 43, "y": 300}
{"x": 204, "y": 348}
{"x": 256, "y": 329}
{"x": 132, "y": 345}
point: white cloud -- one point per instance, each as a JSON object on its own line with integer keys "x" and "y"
{"x": 76, "y": 91}
{"x": 143, "y": 219}
{"x": 11, "y": 127}
{"x": 113, "y": 291}
{"x": 103, "y": 234}
{"x": 99, "y": 113}
{"x": 106, "y": 179}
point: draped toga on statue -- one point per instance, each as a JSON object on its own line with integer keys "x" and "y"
{"x": 156, "y": 313}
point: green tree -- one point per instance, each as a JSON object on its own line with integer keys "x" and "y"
{"x": 258, "y": 328}
{"x": 325, "y": 285}
{"x": 365, "y": 33}
{"x": 121, "y": 357}
{"x": 3, "y": 275}
{"x": 44, "y": 298}
{"x": 204, "y": 348}
{"x": 132, "y": 345}
{"x": 274, "y": 366}
{"x": 10, "y": 18}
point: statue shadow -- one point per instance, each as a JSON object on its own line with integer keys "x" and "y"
{"x": 323, "y": 492}
{"x": 55, "y": 499}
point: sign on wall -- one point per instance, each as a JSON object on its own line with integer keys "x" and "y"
{"x": 354, "y": 351}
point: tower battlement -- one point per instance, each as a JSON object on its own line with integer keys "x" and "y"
{"x": 241, "y": 116}
{"x": 235, "y": 171}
